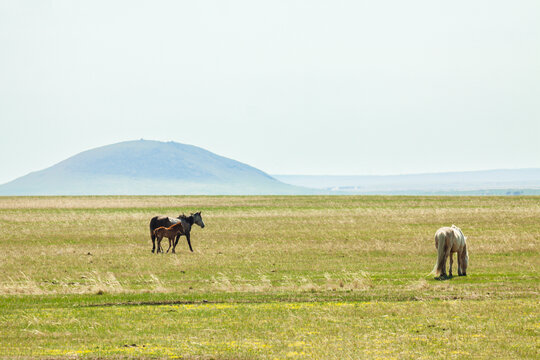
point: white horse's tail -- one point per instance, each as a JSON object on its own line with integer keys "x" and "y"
{"x": 440, "y": 241}
{"x": 434, "y": 271}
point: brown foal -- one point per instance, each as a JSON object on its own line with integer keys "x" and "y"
{"x": 170, "y": 233}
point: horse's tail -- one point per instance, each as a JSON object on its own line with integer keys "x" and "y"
{"x": 440, "y": 242}
{"x": 465, "y": 256}
{"x": 153, "y": 227}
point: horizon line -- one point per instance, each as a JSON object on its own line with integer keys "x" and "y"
{"x": 412, "y": 173}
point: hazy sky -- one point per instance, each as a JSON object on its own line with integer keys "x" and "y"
{"x": 290, "y": 87}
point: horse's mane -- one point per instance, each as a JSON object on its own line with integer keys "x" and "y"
{"x": 189, "y": 218}
{"x": 458, "y": 229}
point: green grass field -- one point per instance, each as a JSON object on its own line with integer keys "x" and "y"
{"x": 271, "y": 278}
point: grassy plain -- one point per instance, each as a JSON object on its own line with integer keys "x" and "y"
{"x": 271, "y": 277}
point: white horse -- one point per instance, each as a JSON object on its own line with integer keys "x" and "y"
{"x": 449, "y": 240}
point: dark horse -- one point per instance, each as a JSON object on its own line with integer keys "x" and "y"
{"x": 165, "y": 221}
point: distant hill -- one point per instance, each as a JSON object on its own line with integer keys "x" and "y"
{"x": 148, "y": 168}
{"x": 489, "y": 182}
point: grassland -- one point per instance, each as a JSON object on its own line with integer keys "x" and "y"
{"x": 270, "y": 278}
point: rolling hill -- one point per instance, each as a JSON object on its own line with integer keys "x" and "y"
{"x": 144, "y": 167}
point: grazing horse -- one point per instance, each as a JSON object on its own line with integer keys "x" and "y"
{"x": 449, "y": 240}
{"x": 165, "y": 221}
{"x": 170, "y": 233}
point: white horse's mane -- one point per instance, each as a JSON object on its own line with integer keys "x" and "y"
{"x": 458, "y": 229}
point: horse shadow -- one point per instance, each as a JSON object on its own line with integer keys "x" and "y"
{"x": 446, "y": 277}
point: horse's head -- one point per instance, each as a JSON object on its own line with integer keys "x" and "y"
{"x": 197, "y": 219}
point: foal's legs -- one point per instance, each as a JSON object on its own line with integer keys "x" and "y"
{"x": 173, "y": 242}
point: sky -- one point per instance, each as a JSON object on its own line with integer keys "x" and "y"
{"x": 290, "y": 87}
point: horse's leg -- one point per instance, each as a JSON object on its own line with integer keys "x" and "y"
{"x": 159, "y": 249}
{"x": 443, "y": 269}
{"x": 189, "y": 241}
{"x": 153, "y": 240}
{"x": 463, "y": 267}
{"x": 451, "y": 263}
{"x": 459, "y": 264}
{"x": 176, "y": 241}
{"x": 170, "y": 243}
